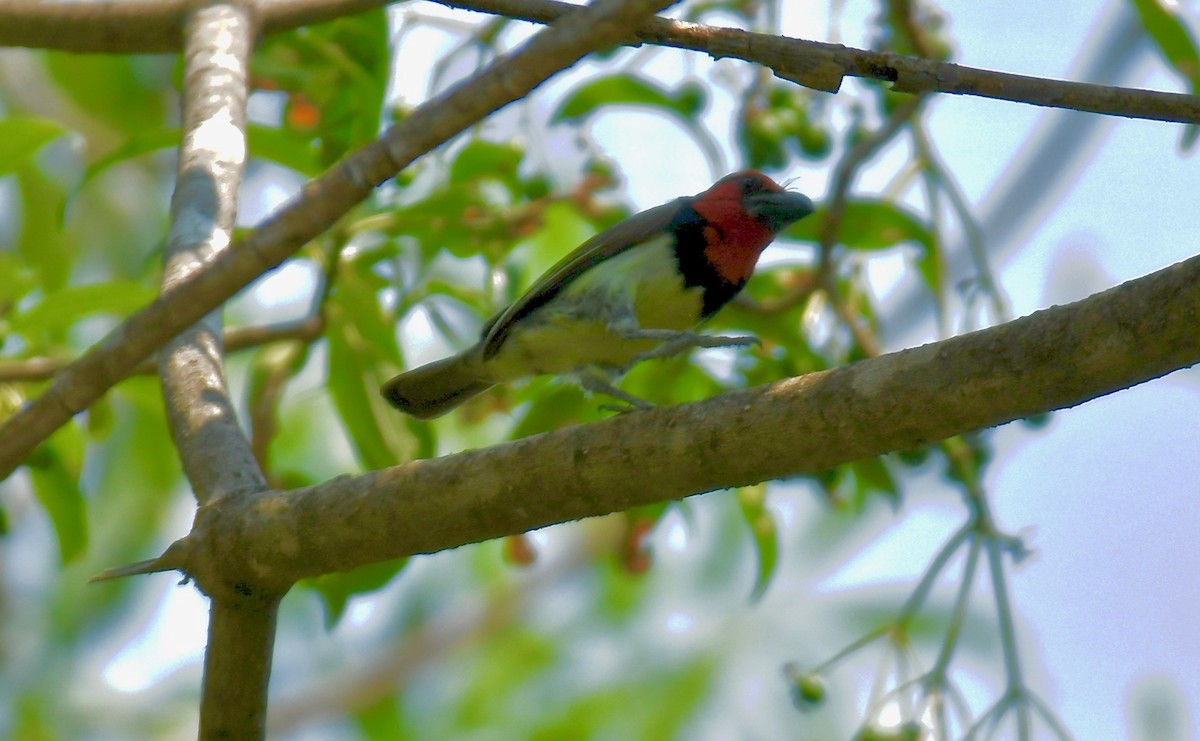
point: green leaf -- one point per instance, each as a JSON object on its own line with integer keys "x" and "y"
{"x": 142, "y": 142}
{"x": 54, "y": 471}
{"x": 659, "y": 706}
{"x": 130, "y": 93}
{"x": 18, "y": 280}
{"x": 1174, "y": 40}
{"x": 63, "y": 308}
{"x": 43, "y": 245}
{"x": 22, "y": 136}
{"x": 554, "y": 407}
{"x": 362, "y": 351}
{"x": 352, "y": 391}
{"x": 867, "y": 225}
{"x": 683, "y": 105}
{"x": 1172, "y": 37}
{"x": 335, "y": 590}
{"x": 485, "y": 159}
{"x": 626, "y": 89}
{"x": 563, "y": 229}
{"x": 337, "y": 72}
{"x": 506, "y": 663}
{"x": 383, "y": 721}
{"x": 873, "y": 477}
{"x": 356, "y": 291}
{"x": 753, "y": 500}
{"x": 932, "y": 267}
{"x": 285, "y": 147}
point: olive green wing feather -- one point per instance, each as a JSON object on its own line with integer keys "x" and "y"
{"x": 608, "y": 243}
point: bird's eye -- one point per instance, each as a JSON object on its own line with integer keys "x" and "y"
{"x": 751, "y": 184}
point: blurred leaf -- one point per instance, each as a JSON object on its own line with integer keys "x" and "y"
{"x": 437, "y": 222}
{"x": 54, "y": 471}
{"x": 129, "y": 93}
{"x": 931, "y": 265}
{"x": 873, "y": 477}
{"x": 362, "y": 352}
{"x": 22, "y": 136}
{"x": 18, "y": 280}
{"x": 284, "y": 147}
{"x": 307, "y": 447}
{"x": 335, "y": 590}
{"x": 42, "y": 244}
{"x": 1162, "y": 21}
{"x": 482, "y": 159}
{"x": 383, "y": 721}
{"x": 503, "y": 665}
{"x": 356, "y": 291}
{"x": 753, "y": 500}
{"x": 867, "y": 225}
{"x": 336, "y": 74}
{"x": 63, "y": 308}
{"x": 142, "y": 142}
{"x": 659, "y": 706}
{"x": 1174, "y": 40}
{"x": 349, "y": 385}
{"x": 553, "y": 408}
{"x": 129, "y": 496}
{"x": 32, "y": 721}
{"x": 683, "y": 106}
{"x": 628, "y": 89}
{"x": 563, "y": 228}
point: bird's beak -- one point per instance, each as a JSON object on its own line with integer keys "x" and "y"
{"x": 777, "y": 210}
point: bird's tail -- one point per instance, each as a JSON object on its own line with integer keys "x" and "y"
{"x": 434, "y": 389}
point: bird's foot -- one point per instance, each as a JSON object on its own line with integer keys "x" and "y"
{"x": 629, "y": 403}
{"x": 674, "y": 343}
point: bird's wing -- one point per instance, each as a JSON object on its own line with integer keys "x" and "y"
{"x": 608, "y": 243}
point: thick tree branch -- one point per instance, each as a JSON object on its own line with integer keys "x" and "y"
{"x": 141, "y": 26}
{"x": 322, "y": 202}
{"x": 822, "y": 66}
{"x": 241, "y": 636}
{"x": 1053, "y": 359}
{"x": 215, "y": 453}
{"x": 216, "y": 456}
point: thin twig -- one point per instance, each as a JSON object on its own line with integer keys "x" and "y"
{"x": 235, "y": 339}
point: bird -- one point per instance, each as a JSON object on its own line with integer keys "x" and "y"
{"x": 634, "y": 291}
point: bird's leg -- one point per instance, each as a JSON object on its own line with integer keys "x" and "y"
{"x": 592, "y": 380}
{"x": 673, "y": 343}
{"x": 624, "y": 325}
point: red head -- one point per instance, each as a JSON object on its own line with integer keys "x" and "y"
{"x": 744, "y": 211}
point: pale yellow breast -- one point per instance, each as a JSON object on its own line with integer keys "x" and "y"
{"x": 572, "y": 330}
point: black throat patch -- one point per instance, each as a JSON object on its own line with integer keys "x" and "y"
{"x": 697, "y": 271}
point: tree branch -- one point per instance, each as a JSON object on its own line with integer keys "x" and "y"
{"x": 822, "y": 66}
{"x": 1053, "y": 359}
{"x": 153, "y": 26}
{"x": 234, "y": 339}
{"x": 141, "y": 26}
{"x": 215, "y": 453}
{"x": 216, "y": 456}
{"x": 322, "y": 202}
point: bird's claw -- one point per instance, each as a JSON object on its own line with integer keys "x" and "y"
{"x": 629, "y": 402}
{"x": 684, "y": 341}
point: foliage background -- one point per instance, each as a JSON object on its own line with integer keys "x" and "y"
{"x": 669, "y": 622}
